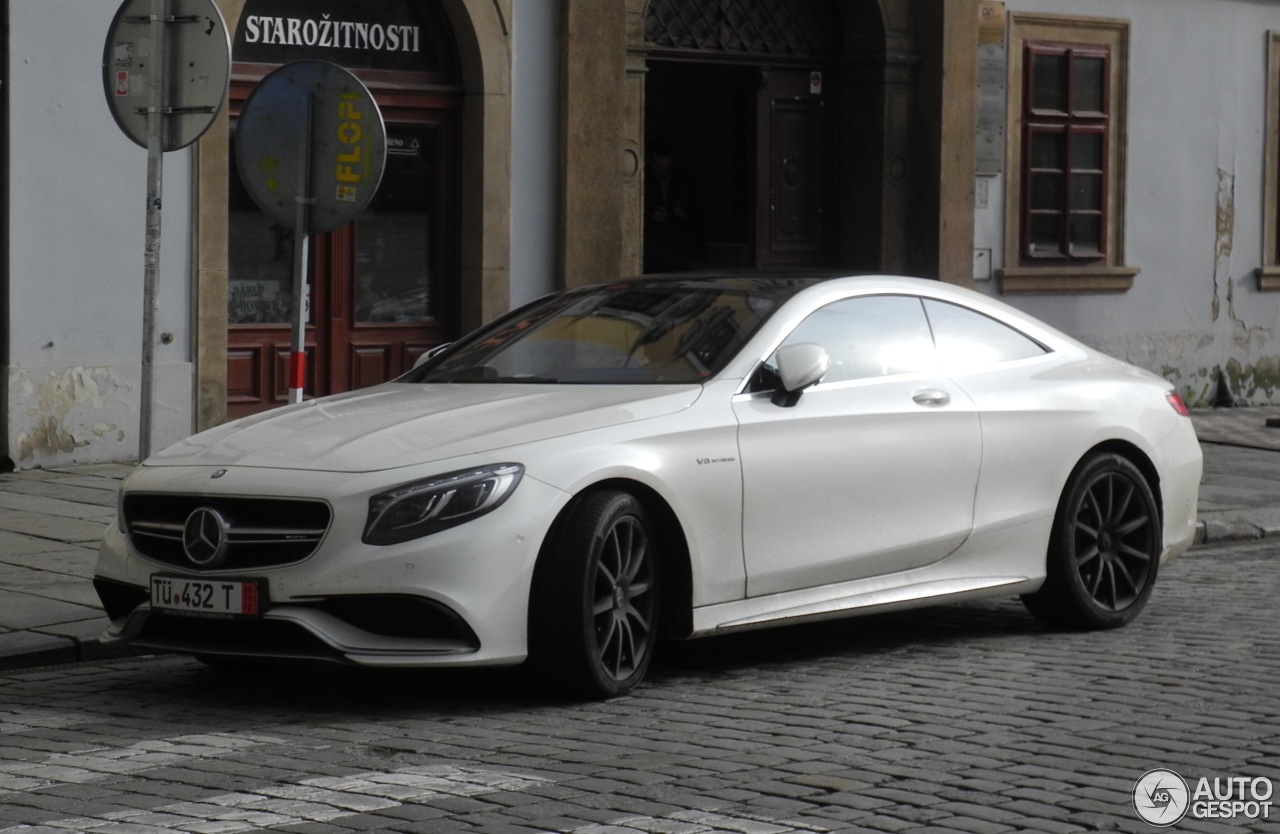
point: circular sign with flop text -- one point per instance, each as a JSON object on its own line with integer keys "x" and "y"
{"x": 311, "y": 132}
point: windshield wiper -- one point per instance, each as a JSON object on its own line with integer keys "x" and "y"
{"x": 545, "y": 380}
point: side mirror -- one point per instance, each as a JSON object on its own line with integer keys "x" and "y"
{"x": 799, "y": 366}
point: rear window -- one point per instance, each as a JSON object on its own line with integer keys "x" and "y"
{"x": 967, "y": 338}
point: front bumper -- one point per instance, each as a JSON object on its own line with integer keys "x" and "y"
{"x": 371, "y": 630}
{"x": 456, "y": 597}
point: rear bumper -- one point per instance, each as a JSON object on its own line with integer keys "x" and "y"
{"x": 1181, "y": 463}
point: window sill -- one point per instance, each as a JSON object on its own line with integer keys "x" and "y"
{"x": 1064, "y": 280}
{"x": 1268, "y": 278}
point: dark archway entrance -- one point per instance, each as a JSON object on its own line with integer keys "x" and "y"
{"x": 745, "y": 93}
{"x": 384, "y": 288}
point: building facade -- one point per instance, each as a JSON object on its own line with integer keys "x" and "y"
{"x": 1109, "y": 165}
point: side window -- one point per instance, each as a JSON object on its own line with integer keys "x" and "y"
{"x": 968, "y": 338}
{"x": 869, "y": 336}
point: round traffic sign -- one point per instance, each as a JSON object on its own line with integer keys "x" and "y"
{"x": 194, "y": 70}
{"x": 311, "y": 132}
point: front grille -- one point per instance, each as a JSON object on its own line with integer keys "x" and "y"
{"x": 261, "y": 532}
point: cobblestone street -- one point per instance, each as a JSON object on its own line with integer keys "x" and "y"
{"x": 969, "y": 718}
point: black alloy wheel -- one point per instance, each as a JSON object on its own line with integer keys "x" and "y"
{"x": 1104, "y": 550}
{"x": 597, "y": 605}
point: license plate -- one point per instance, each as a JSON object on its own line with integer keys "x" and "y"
{"x": 215, "y": 598}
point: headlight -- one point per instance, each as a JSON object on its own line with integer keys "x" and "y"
{"x": 424, "y": 507}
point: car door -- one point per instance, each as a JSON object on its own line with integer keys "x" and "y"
{"x": 873, "y": 470}
{"x": 1003, "y": 371}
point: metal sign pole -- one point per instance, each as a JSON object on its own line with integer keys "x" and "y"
{"x": 151, "y": 272}
{"x": 303, "y": 202}
{"x": 162, "y": 113}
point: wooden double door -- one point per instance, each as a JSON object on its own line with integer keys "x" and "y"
{"x": 382, "y": 289}
{"x": 757, "y": 147}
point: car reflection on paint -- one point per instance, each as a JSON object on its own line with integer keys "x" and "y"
{"x": 612, "y": 465}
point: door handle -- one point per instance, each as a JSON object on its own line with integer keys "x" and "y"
{"x": 931, "y": 397}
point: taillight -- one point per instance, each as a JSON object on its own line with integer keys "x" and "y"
{"x": 1179, "y": 404}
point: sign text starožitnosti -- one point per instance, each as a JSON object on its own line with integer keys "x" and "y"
{"x": 325, "y": 33}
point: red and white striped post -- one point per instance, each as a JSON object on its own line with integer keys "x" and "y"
{"x": 303, "y": 202}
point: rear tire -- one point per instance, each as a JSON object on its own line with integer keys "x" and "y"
{"x": 1104, "y": 549}
{"x": 596, "y": 601}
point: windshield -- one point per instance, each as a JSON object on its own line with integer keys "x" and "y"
{"x": 644, "y": 332}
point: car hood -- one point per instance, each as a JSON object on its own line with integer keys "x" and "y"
{"x": 397, "y": 424}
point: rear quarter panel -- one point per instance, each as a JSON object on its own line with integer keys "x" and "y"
{"x": 1041, "y": 416}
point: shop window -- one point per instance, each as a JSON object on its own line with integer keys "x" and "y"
{"x": 1065, "y": 183}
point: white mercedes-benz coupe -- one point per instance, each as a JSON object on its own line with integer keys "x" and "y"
{"x": 615, "y": 464}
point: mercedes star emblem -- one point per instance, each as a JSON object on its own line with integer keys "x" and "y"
{"x": 204, "y": 537}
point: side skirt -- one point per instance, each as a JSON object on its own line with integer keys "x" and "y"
{"x": 792, "y": 607}
{"x": 995, "y": 563}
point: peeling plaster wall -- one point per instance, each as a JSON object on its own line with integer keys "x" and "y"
{"x": 77, "y": 191}
{"x": 1194, "y": 201}
{"x": 51, "y": 401}
{"x": 88, "y": 414}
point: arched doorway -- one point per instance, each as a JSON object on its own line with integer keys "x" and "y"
{"x": 743, "y": 97}
{"x": 385, "y": 287}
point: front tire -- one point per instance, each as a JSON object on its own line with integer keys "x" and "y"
{"x": 597, "y": 602}
{"x": 1104, "y": 549}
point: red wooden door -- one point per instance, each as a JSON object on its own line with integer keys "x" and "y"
{"x": 390, "y": 272}
{"x": 383, "y": 288}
